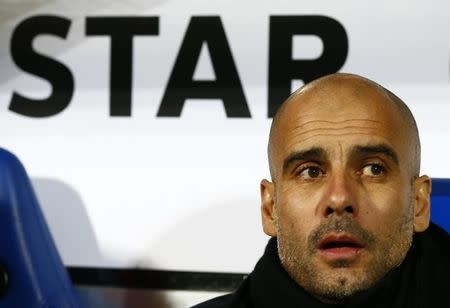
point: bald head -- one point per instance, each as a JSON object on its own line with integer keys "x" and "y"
{"x": 344, "y": 158}
{"x": 344, "y": 91}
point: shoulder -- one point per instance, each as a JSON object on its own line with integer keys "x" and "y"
{"x": 240, "y": 298}
{"x": 440, "y": 238}
{"x": 223, "y": 301}
{"x": 435, "y": 250}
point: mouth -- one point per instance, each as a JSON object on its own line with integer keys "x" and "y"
{"x": 340, "y": 246}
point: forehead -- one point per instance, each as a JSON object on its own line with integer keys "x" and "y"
{"x": 344, "y": 114}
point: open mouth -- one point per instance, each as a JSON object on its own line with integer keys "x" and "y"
{"x": 340, "y": 246}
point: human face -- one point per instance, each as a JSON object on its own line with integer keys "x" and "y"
{"x": 343, "y": 203}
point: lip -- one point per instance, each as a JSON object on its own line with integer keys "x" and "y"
{"x": 340, "y": 246}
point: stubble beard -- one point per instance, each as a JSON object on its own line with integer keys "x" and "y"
{"x": 334, "y": 285}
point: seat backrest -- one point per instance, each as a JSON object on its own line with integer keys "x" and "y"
{"x": 440, "y": 203}
{"x": 32, "y": 274}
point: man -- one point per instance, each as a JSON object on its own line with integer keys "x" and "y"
{"x": 347, "y": 211}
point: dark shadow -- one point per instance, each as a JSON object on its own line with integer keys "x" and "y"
{"x": 69, "y": 223}
{"x": 145, "y": 299}
{"x": 72, "y": 231}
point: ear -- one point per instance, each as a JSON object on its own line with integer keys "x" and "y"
{"x": 268, "y": 211}
{"x": 422, "y": 191}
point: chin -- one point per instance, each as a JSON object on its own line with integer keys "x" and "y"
{"x": 340, "y": 284}
{"x": 339, "y": 290}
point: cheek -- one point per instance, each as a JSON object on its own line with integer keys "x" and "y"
{"x": 296, "y": 211}
{"x": 385, "y": 204}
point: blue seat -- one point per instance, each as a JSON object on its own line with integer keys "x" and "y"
{"x": 440, "y": 203}
{"x": 32, "y": 274}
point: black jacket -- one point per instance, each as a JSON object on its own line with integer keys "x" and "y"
{"x": 422, "y": 281}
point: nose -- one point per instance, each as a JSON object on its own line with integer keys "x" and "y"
{"x": 339, "y": 197}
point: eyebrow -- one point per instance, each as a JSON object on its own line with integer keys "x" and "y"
{"x": 377, "y": 149}
{"x": 317, "y": 153}
{"x": 314, "y": 153}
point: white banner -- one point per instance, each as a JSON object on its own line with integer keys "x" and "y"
{"x": 144, "y": 124}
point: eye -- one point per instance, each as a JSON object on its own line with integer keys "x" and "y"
{"x": 311, "y": 172}
{"x": 373, "y": 170}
